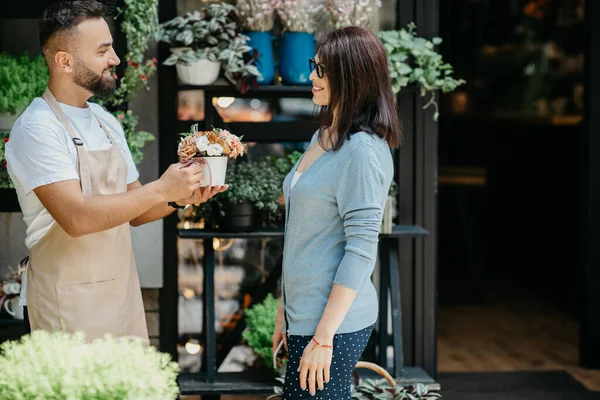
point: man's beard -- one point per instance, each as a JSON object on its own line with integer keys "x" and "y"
{"x": 99, "y": 85}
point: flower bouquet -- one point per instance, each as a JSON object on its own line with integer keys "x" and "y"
{"x": 211, "y": 149}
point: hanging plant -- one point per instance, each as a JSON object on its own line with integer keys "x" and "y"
{"x": 413, "y": 59}
{"x": 140, "y": 24}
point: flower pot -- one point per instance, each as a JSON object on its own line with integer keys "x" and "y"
{"x": 296, "y": 48}
{"x": 239, "y": 217}
{"x": 7, "y": 121}
{"x": 203, "y": 72}
{"x": 214, "y": 170}
{"x": 261, "y": 42}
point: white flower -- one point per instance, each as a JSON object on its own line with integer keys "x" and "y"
{"x": 202, "y": 144}
{"x": 214, "y": 150}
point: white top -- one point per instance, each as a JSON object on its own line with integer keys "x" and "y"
{"x": 40, "y": 152}
{"x": 295, "y": 178}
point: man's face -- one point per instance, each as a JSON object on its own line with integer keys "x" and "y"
{"x": 95, "y": 58}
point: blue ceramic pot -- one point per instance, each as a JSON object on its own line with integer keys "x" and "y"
{"x": 262, "y": 43}
{"x": 295, "y": 50}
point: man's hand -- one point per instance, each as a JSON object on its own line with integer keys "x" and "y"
{"x": 203, "y": 194}
{"x": 180, "y": 181}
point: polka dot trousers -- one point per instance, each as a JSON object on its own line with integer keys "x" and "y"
{"x": 347, "y": 349}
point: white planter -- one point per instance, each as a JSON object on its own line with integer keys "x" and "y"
{"x": 203, "y": 72}
{"x": 12, "y": 307}
{"x": 214, "y": 170}
{"x": 7, "y": 121}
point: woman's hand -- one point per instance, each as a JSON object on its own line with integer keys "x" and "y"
{"x": 278, "y": 334}
{"x": 315, "y": 364}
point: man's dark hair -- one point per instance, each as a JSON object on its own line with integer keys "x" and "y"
{"x": 63, "y": 17}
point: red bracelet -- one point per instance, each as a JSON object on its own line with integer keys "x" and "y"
{"x": 322, "y": 345}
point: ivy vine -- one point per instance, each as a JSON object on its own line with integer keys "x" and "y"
{"x": 140, "y": 24}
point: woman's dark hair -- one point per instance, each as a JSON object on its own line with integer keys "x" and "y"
{"x": 359, "y": 86}
{"x": 63, "y": 17}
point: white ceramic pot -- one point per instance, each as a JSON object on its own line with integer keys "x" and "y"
{"x": 12, "y": 307}
{"x": 214, "y": 170}
{"x": 203, "y": 72}
{"x": 7, "y": 121}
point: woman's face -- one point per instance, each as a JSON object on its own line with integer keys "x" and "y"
{"x": 320, "y": 88}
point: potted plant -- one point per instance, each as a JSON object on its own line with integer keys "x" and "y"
{"x": 211, "y": 149}
{"x": 268, "y": 180}
{"x": 257, "y": 17}
{"x": 260, "y": 325}
{"x": 21, "y": 80}
{"x": 413, "y": 59}
{"x": 239, "y": 212}
{"x": 349, "y": 12}
{"x": 62, "y": 365}
{"x": 297, "y": 45}
{"x": 203, "y": 41}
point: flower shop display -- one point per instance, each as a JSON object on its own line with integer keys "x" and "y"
{"x": 298, "y": 42}
{"x": 211, "y": 149}
{"x": 413, "y": 59}
{"x": 204, "y": 41}
{"x": 21, "y": 80}
{"x": 257, "y": 18}
{"x": 350, "y": 12}
{"x": 63, "y": 366}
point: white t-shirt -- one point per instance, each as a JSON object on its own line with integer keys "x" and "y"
{"x": 40, "y": 151}
{"x": 295, "y": 178}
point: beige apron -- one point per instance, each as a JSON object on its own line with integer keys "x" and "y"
{"x": 89, "y": 283}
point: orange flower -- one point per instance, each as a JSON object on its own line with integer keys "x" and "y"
{"x": 530, "y": 9}
{"x": 226, "y": 148}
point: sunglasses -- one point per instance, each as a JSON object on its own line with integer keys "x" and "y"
{"x": 312, "y": 65}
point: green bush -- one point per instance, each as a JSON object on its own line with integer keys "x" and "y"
{"x": 21, "y": 80}
{"x": 59, "y": 365}
{"x": 260, "y": 323}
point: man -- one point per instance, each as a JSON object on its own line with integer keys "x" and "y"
{"x": 78, "y": 186}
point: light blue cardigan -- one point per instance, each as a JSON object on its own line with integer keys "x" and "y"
{"x": 333, "y": 216}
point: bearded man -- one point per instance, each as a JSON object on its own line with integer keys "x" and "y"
{"x": 78, "y": 186}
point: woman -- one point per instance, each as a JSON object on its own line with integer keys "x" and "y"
{"x": 335, "y": 197}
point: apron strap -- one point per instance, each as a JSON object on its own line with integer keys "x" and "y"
{"x": 62, "y": 118}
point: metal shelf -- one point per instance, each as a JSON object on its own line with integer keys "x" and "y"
{"x": 248, "y": 383}
{"x": 290, "y": 131}
{"x": 221, "y": 88}
{"x": 398, "y": 231}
